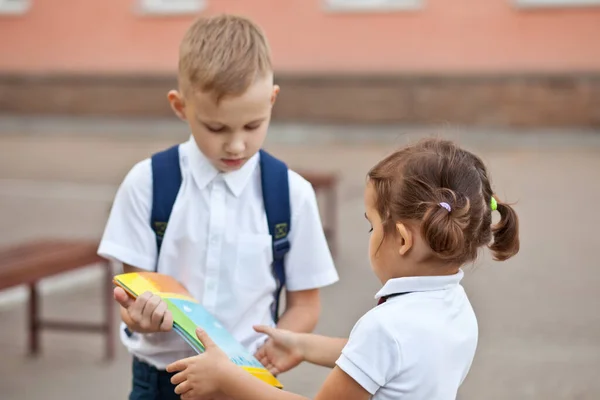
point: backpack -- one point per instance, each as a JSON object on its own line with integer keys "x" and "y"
{"x": 166, "y": 180}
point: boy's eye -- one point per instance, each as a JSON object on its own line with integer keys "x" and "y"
{"x": 215, "y": 129}
{"x": 252, "y": 127}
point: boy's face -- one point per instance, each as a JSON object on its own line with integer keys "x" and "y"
{"x": 231, "y": 132}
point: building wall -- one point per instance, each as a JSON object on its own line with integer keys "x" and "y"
{"x": 466, "y": 44}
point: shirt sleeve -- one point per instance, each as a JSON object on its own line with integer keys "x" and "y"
{"x": 128, "y": 237}
{"x": 308, "y": 264}
{"x": 372, "y": 356}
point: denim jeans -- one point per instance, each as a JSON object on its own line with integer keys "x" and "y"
{"x": 149, "y": 383}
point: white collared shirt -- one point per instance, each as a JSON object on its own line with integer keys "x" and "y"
{"x": 217, "y": 243}
{"x": 418, "y": 345}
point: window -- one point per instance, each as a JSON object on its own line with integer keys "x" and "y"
{"x": 372, "y": 5}
{"x": 166, "y": 7}
{"x": 557, "y": 3}
{"x": 14, "y": 6}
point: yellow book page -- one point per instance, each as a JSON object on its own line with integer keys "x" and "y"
{"x": 163, "y": 285}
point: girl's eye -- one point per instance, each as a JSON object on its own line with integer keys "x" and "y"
{"x": 371, "y": 230}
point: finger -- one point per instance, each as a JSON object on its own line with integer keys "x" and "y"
{"x": 157, "y": 316}
{"x": 260, "y": 353}
{"x": 267, "y": 330}
{"x": 167, "y": 323}
{"x": 135, "y": 311}
{"x": 178, "y": 378}
{"x": 178, "y": 365}
{"x": 123, "y": 298}
{"x": 183, "y": 387}
{"x": 274, "y": 371}
{"x": 204, "y": 338}
{"x": 189, "y": 395}
{"x": 264, "y": 359}
{"x": 150, "y": 306}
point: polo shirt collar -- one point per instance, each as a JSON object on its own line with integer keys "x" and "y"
{"x": 419, "y": 284}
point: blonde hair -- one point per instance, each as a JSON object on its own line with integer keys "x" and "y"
{"x": 223, "y": 55}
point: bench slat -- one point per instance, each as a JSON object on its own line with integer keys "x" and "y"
{"x": 31, "y": 262}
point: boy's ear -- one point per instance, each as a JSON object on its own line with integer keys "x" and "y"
{"x": 405, "y": 238}
{"x": 177, "y": 104}
{"x": 276, "y": 90}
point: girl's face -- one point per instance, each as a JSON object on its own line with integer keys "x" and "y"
{"x": 383, "y": 250}
{"x": 399, "y": 252}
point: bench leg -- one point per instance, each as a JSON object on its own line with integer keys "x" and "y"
{"x": 108, "y": 312}
{"x": 34, "y": 332}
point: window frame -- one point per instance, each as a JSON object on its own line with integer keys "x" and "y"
{"x": 168, "y": 7}
{"x": 14, "y": 8}
{"x": 377, "y": 6}
{"x": 556, "y": 3}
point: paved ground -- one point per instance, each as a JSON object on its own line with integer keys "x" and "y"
{"x": 538, "y": 313}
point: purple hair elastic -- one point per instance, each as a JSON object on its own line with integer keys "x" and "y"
{"x": 446, "y": 206}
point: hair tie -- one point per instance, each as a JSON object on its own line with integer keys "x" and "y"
{"x": 446, "y": 206}
{"x": 493, "y": 204}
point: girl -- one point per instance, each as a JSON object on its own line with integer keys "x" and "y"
{"x": 430, "y": 206}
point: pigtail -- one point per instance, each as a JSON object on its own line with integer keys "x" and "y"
{"x": 444, "y": 225}
{"x": 505, "y": 233}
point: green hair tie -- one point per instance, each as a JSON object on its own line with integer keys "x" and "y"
{"x": 493, "y": 204}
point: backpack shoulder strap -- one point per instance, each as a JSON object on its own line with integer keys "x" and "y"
{"x": 276, "y": 198}
{"x": 166, "y": 180}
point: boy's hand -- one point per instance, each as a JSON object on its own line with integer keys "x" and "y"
{"x": 200, "y": 376}
{"x": 281, "y": 352}
{"x": 147, "y": 313}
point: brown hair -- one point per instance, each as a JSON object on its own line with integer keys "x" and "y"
{"x": 223, "y": 55}
{"x": 411, "y": 183}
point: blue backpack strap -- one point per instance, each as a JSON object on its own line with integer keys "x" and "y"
{"x": 276, "y": 197}
{"x": 166, "y": 180}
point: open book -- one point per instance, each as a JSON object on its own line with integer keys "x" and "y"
{"x": 188, "y": 314}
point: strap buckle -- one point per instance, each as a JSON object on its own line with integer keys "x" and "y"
{"x": 280, "y": 248}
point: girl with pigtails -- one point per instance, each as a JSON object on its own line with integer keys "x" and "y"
{"x": 430, "y": 209}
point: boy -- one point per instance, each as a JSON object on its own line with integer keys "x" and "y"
{"x": 217, "y": 241}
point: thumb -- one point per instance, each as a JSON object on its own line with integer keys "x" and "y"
{"x": 205, "y": 339}
{"x": 122, "y": 297}
{"x": 267, "y": 330}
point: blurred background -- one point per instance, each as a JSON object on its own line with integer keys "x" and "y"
{"x": 83, "y": 97}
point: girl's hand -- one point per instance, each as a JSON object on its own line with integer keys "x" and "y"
{"x": 201, "y": 376}
{"x": 281, "y": 352}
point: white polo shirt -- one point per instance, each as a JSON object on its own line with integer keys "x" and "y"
{"x": 418, "y": 345}
{"x": 218, "y": 245}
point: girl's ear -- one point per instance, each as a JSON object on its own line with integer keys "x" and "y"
{"x": 405, "y": 238}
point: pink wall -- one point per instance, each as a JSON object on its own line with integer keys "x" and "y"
{"x": 445, "y": 36}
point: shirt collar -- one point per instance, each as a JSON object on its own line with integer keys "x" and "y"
{"x": 419, "y": 284}
{"x": 204, "y": 172}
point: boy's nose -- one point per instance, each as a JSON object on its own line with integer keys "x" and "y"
{"x": 235, "y": 147}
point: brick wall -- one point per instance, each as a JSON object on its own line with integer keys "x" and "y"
{"x": 498, "y": 101}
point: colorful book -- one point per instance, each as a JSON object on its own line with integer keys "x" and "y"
{"x": 188, "y": 314}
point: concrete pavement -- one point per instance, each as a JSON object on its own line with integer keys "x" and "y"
{"x": 539, "y": 324}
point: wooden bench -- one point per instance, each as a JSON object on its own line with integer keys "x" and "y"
{"x": 326, "y": 183}
{"x": 29, "y": 263}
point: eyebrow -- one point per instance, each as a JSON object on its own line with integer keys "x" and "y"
{"x": 215, "y": 123}
{"x": 367, "y": 218}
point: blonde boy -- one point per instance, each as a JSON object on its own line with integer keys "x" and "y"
{"x": 217, "y": 241}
